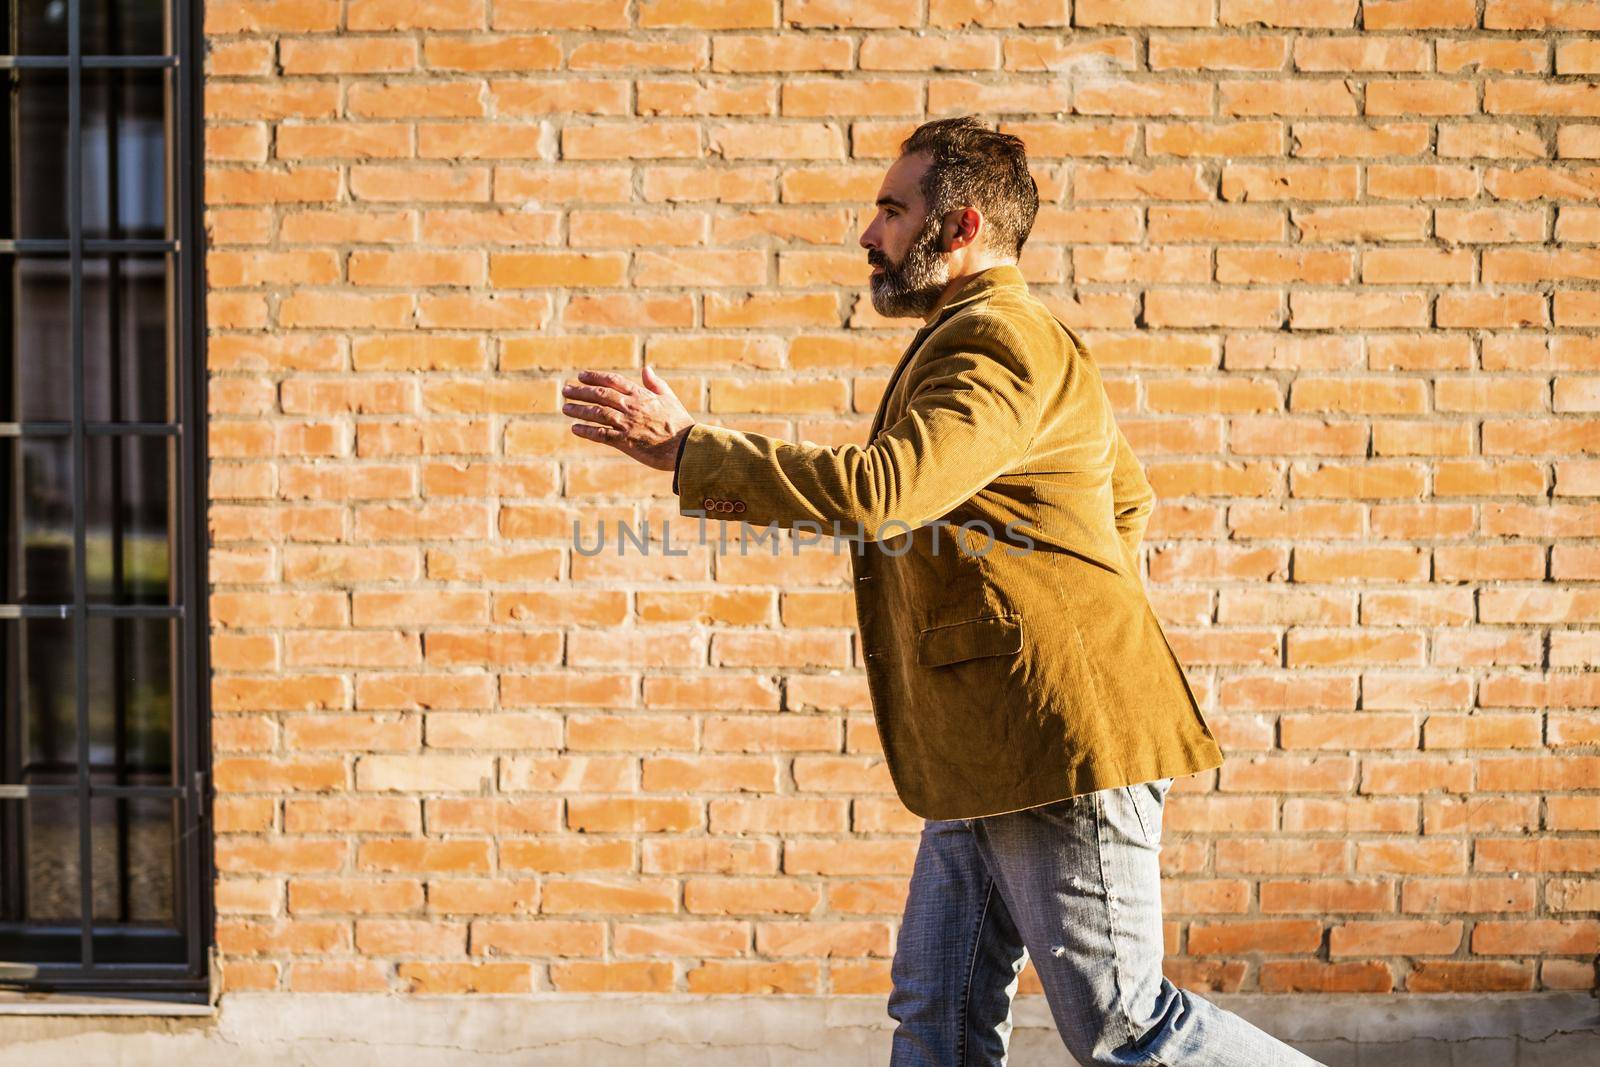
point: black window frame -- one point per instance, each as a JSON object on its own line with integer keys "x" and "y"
{"x": 190, "y": 788}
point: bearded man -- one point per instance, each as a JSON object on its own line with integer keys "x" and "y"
{"x": 1028, "y": 702}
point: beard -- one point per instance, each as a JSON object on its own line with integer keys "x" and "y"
{"x": 912, "y": 286}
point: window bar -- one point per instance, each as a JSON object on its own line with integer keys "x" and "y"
{"x": 93, "y": 429}
{"x": 188, "y": 333}
{"x": 118, "y": 461}
{"x": 80, "y": 595}
{"x": 27, "y": 245}
{"x": 156, "y": 792}
{"x": 35, "y": 611}
{"x": 11, "y": 815}
{"x": 16, "y": 62}
{"x": 135, "y": 611}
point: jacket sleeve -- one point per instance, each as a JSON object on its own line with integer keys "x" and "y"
{"x": 1133, "y": 499}
{"x": 973, "y": 408}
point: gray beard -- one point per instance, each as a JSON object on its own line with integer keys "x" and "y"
{"x": 912, "y": 288}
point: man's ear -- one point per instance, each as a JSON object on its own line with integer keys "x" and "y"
{"x": 961, "y": 214}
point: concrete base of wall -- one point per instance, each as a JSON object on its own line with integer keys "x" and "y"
{"x": 625, "y": 1030}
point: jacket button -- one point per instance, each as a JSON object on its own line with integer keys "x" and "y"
{"x": 709, "y": 504}
{"x": 738, "y": 505}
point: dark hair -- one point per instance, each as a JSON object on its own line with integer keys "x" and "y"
{"x": 974, "y": 166}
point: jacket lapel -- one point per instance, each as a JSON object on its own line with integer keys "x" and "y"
{"x": 883, "y": 401}
{"x": 979, "y": 285}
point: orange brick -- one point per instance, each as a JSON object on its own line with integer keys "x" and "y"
{"x": 250, "y": 937}
{"x": 1271, "y": 935}
{"x": 1294, "y": 976}
{"x": 1536, "y": 937}
{"x": 1466, "y": 896}
{"x": 417, "y": 855}
{"x": 706, "y": 15}
{"x": 1112, "y": 13}
{"x": 546, "y": 937}
{"x": 755, "y": 977}
{"x": 749, "y": 896}
{"x": 338, "y": 976}
{"x": 1452, "y": 976}
{"x": 602, "y": 898}
{"x": 483, "y": 896}
{"x": 763, "y": 53}
{"x": 1395, "y": 938}
{"x": 1411, "y": 857}
{"x": 1156, "y": 99}
{"x": 1218, "y": 53}
{"x": 466, "y": 977}
{"x": 410, "y": 937}
{"x": 631, "y": 141}
{"x": 1421, "y": 14}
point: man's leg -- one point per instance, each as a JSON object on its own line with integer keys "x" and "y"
{"x": 1082, "y": 880}
{"x": 956, "y": 960}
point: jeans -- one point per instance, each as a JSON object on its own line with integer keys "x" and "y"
{"x": 1076, "y": 886}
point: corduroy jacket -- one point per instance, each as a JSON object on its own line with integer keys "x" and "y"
{"x": 1011, "y": 653}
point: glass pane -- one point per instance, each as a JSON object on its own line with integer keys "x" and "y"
{"x": 137, "y": 901}
{"x": 125, "y": 153}
{"x": 52, "y": 859}
{"x": 127, "y": 553}
{"x": 36, "y": 477}
{"x": 133, "y": 859}
{"x": 127, "y": 375}
{"x": 130, "y": 700}
{"x": 43, "y": 833}
{"x": 123, "y": 27}
{"x": 40, "y": 742}
{"x": 36, "y": 361}
{"x": 38, "y": 882}
{"x": 41, "y": 26}
{"x": 35, "y": 145}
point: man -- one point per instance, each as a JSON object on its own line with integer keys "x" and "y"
{"x": 1029, "y": 704}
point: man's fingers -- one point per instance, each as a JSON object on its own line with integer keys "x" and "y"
{"x": 603, "y": 415}
{"x": 597, "y": 394}
{"x": 609, "y": 381}
{"x": 655, "y": 382}
{"x": 603, "y": 434}
{"x": 618, "y": 410}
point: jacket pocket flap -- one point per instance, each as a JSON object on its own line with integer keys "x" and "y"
{"x": 951, "y": 642}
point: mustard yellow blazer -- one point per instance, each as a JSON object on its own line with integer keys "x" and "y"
{"x": 1011, "y": 653}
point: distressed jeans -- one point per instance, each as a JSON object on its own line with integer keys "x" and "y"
{"x": 1076, "y": 886}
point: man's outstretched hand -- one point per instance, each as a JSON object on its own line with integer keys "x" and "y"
{"x": 645, "y": 421}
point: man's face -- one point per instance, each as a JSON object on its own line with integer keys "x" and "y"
{"x": 905, "y": 245}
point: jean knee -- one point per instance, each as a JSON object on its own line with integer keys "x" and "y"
{"x": 914, "y": 993}
{"x": 1104, "y": 1038}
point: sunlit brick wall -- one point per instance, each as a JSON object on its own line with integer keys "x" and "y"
{"x": 1338, "y": 262}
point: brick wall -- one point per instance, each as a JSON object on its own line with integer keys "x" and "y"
{"x": 1336, "y": 260}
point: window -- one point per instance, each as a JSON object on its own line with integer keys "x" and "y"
{"x": 104, "y": 856}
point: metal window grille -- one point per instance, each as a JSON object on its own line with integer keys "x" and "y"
{"x": 105, "y": 859}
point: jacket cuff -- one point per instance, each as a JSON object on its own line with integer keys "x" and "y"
{"x": 676, "y": 463}
{"x": 702, "y": 466}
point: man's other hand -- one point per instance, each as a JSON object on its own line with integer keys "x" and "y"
{"x": 644, "y": 421}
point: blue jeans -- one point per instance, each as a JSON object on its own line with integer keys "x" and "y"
{"x": 1076, "y": 886}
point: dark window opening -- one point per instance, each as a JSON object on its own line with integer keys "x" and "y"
{"x": 105, "y": 858}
